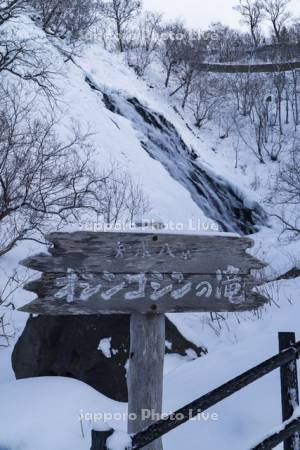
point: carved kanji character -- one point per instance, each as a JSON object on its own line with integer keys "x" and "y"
{"x": 231, "y": 284}
{"x": 166, "y": 250}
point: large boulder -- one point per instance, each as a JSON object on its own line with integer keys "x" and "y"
{"x": 93, "y": 349}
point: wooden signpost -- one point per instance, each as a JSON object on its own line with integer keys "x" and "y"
{"x": 144, "y": 275}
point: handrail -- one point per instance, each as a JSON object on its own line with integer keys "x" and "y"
{"x": 276, "y": 438}
{"x": 182, "y": 415}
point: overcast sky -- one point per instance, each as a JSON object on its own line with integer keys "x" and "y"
{"x": 200, "y": 13}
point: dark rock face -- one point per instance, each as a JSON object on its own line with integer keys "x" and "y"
{"x": 68, "y": 347}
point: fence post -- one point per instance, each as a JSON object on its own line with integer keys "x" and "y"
{"x": 99, "y": 439}
{"x": 289, "y": 388}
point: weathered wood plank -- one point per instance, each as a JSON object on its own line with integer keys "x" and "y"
{"x": 76, "y": 286}
{"x": 145, "y": 373}
{"x": 145, "y": 292}
{"x": 199, "y": 261}
{"x": 127, "y": 272}
{"x": 131, "y": 252}
{"x": 61, "y": 308}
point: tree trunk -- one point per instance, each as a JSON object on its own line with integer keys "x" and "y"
{"x": 187, "y": 88}
{"x": 169, "y": 71}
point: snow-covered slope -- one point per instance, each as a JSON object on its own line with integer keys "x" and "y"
{"x": 146, "y": 136}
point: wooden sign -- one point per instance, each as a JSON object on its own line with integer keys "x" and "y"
{"x": 144, "y": 275}
{"x": 90, "y": 273}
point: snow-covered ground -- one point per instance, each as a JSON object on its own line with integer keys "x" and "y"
{"x": 43, "y": 414}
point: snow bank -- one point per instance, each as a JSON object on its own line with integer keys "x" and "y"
{"x": 52, "y": 413}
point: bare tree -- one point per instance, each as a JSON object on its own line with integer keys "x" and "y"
{"x": 7, "y": 331}
{"x": 40, "y": 177}
{"x": 276, "y": 11}
{"x": 254, "y": 134}
{"x": 227, "y": 45}
{"x": 258, "y": 120}
{"x": 193, "y": 48}
{"x": 236, "y": 147}
{"x": 294, "y": 31}
{"x": 121, "y": 199}
{"x": 205, "y": 98}
{"x": 10, "y": 9}
{"x": 279, "y": 81}
{"x": 103, "y": 33}
{"x": 68, "y": 19}
{"x": 276, "y": 143}
{"x": 244, "y": 88}
{"x": 26, "y": 59}
{"x": 171, "y": 51}
{"x": 44, "y": 182}
{"x": 287, "y": 193}
{"x": 252, "y": 15}
{"x": 11, "y": 281}
{"x": 121, "y": 13}
{"x": 145, "y": 42}
{"x": 294, "y": 94}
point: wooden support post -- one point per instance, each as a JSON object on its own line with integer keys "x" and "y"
{"x": 145, "y": 373}
{"x": 99, "y": 439}
{"x": 289, "y": 388}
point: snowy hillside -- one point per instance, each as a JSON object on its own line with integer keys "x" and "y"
{"x": 189, "y": 177}
{"x": 100, "y": 92}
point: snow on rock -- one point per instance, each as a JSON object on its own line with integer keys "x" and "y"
{"x": 105, "y": 347}
{"x": 168, "y": 345}
{"x": 118, "y": 441}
